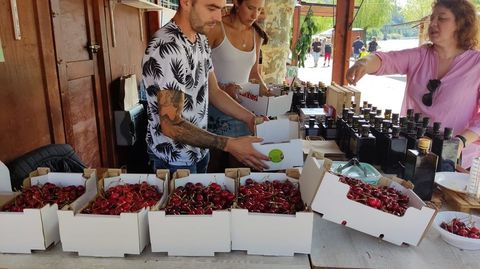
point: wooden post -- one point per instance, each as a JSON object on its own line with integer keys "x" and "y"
{"x": 295, "y": 32}
{"x": 342, "y": 40}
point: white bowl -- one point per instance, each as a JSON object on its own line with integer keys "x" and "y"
{"x": 453, "y": 239}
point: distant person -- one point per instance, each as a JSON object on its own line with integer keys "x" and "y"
{"x": 328, "y": 51}
{"x": 363, "y": 52}
{"x": 373, "y": 45}
{"x": 442, "y": 77}
{"x": 356, "y": 47}
{"x": 316, "y": 49}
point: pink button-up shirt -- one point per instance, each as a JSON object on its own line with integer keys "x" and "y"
{"x": 455, "y": 103}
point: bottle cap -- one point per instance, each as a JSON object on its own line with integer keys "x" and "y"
{"x": 420, "y": 132}
{"x": 425, "y": 122}
{"x": 417, "y": 116}
{"x": 423, "y": 143}
{"x": 447, "y": 133}
{"x": 436, "y": 126}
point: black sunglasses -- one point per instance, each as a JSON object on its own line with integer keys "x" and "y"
{"x": 432, "y": 86}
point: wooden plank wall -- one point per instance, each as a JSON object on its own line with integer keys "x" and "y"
{"x": 30, "y": 103}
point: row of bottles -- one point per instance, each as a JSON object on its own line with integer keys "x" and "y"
{"x": 398, "y": 144}
{"x": 306, "y": 95}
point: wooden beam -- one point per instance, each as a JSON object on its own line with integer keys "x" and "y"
{"x": 319, "y": 11}
{"x": 342, "y": 40}
{"x": 295, "y": 32}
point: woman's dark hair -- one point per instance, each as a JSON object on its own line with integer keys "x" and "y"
{"x": 466, "y": 20}
{"x": 255, "y": 25}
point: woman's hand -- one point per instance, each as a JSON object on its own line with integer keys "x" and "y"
{"x": 356, "y": 72}
{"x": 265, "y": 91}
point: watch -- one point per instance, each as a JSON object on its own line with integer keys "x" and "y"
{"x": 463, "y": 139}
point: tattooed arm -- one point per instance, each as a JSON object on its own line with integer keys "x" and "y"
{"x": 170, "y": 107}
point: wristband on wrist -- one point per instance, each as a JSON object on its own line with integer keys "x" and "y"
{"x": 464, "y": 140}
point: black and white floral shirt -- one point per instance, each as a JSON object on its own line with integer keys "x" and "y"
{"x": 171, "y": 61}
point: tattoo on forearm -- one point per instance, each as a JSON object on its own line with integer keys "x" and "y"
{"x": 173, "y": 125}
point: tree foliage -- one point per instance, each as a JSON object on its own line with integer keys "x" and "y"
{"x": 373, "y": 13}
{"x": 307, "y": 30}
{"x": 417, "y": 9}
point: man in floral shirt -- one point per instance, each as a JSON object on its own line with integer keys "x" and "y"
{"x": 179, "y": 80}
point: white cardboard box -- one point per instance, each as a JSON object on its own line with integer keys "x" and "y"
{"x": 331, "y": 202}
{"x": 266, "y": 106}
{"x": 107, "y": 235}
{"x": 193, "y": 235}
{"x": 280, "y": 143}
{"x": 36, "y": 229}
{"x": 273, "y": 234}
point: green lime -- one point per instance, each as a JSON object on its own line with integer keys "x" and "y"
{"x": 276, "y": 155}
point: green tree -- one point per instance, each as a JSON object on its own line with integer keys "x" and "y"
{"x": 373, "y": 13}
{"x": 417, "y": 9}
{"x": 307, "y": 30}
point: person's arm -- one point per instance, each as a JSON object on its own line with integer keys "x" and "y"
{"x": 225, "y": 103}
{"x": 255, "y": 71}
{"x": 173, "y": 125}
{"x": 467, "y": 136}
{"x": 366, "y": 65}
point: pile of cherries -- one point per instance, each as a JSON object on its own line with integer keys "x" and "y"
{"x": 196, "y": 199}
{"x": 270, "y": 197}
{"x": 38, "y": 196}
{"x": 461, "y": 228}
{"x": 383, "y": 198}
{"x": 124, "y": 198}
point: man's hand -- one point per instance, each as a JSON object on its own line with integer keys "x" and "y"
{"x": 242, "y": 149}
{"x": 356, "y": 72}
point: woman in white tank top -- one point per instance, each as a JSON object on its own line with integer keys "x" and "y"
{"x": 235, "y": 44}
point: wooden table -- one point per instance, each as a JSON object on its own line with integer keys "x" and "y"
{"x": 336, "y": 246}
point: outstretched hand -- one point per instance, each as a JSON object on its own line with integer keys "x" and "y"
{"x": 242, "y": 149}
{"x": 356, "y": 72}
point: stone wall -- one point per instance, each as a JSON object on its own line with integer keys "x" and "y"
{"x": 278, "y": 25}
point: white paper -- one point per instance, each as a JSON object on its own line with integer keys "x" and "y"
{"x": 5, "y": 184}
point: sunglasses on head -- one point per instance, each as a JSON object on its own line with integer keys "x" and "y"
{"x": 432, "y": 86}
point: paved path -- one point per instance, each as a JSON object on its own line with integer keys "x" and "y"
{"x": 382, "y": 91}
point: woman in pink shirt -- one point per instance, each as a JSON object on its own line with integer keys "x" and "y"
{"x": 450, "y": 65}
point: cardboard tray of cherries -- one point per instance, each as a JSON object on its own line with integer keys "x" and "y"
{"x": 390, "y": 211}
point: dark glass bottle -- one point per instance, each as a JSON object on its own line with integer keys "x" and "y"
{"x": 420, "y": 168}
{"x": 312, "y": 128}
{"x": 395, "y": 119}
{"x": 341, "y": 126}
{"x": 362, "y": 144}
{"x": 328, "y": 129}
{"x": 412, "y": 139}
{"x": 410, "y": 116}
{"x": 312, "y": 97}
{"x": 416, "y": 118}
{"x": 377, "y": 132}
{"x": 425, "y": 122}
{"x": 321, "y": 94}
{"x": 447, "y": 149}
{"x": 395, "y": 150}
{"x": 410, "y": 133}
{"x": 388, "y": 114}
{"x": 403, "y": 125}
{"x": 434, "y": 131}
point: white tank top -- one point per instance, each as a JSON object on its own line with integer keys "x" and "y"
{"x": 231, "y": 64}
